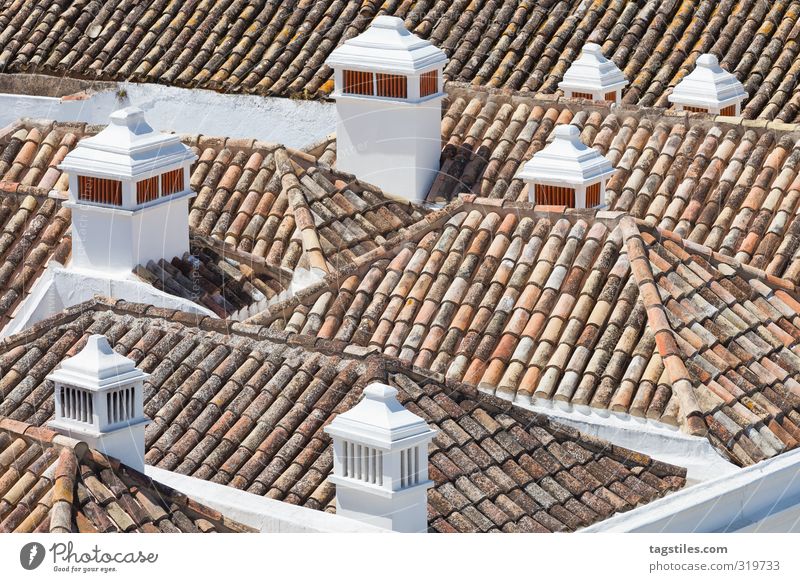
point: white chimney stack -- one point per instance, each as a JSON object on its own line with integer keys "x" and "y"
{"x": 388, "y": 88}
{"x": 593, "y": 76}
{"x": 380, "y": 466}
{"x": 99, "y": 399}
{"x": 129, "y": 194}
{"x": 709, "y": 89}
{"x": 566, "y": 172}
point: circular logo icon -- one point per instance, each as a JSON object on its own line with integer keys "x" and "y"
{"x": 31, "y": 555}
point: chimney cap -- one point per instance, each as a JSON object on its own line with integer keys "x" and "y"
{"x": 97, "y": 367}
{"x": 127, "y": 148}
{"x": 391, "y": 22}
{"x": 592, "y": 71}
{"x": 388, "y": 46}
{"x": 566, "y": 161}
{"x": 380, "y": 420}
{"x": 131, "y": 117}
{"x": 708, "y": 86}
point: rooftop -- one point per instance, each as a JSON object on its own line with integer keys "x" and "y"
{"x": 52, "y": 483}
{"x": 668, "y": 314}
{"x": 730, "y": 185}
{"x": 279, "y": 48}
{"x": 246, "y": 407}
{"x": 590, "y": 310}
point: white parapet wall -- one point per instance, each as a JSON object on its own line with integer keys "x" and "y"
{"x": 59, "y": 288}
{"x": 261, "y": 513}
{"x": 764, "y": 497}
{"x": 193, "y": 111}
{"x": 652, "y": 438}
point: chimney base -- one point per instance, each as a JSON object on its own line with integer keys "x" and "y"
{"x": 404, "y": 511}
{"x": 126, "y": 444}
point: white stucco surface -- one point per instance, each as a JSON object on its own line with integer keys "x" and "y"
{"x": 393, "y": 144}
{"x": 655, "y": 439}
{"x": 294, "y": 123}
{"x": 59, "y": 288}
{"x": 261, "y": 513}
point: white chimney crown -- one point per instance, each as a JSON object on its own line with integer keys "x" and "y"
{"x": 387, "y": 46}
{"x": 381, "y": 462}
{"x": 567, "y": 172}
{"x": 129, "y": 194}
{"x": 127, "y": 148}
{"x": 709, "y": 88}
{"x": 593, "y": 76}
{"x": 99, "y": 399}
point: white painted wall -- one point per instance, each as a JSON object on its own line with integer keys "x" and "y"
{"x": 59, "y": 288}
{"x": 295, "y": 123}
{"x": 115, "y": 240}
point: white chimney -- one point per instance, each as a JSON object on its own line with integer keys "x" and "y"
{"x": 709, "y": 89}
{"x": 380, "y": 465}
{"x": 99, "y": 399}
{"x": 566, "y": 172}
{"x": 129, "y": 194}
{"x": 593, "y": 76}
{"x": 388, "y": 88}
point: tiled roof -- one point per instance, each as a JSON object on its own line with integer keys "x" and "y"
{"x": 730, "y": 186}
{"x": 52, "y": 483}
{"x": 730, "y": 335}
{"x": 540, "y": 304}
{"x": 269, "y": 210}
{"x": 279, "y": 47}
{"x": 216, "y": 276}
{"x": 33, "y": 230}
{"x": 502, "y": 299}
{"x": 247, "y": 409}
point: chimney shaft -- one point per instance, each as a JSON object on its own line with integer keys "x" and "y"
{"x": 99, "y": 399}
{"x": 381, "y": 462}
{"x": 388, "y": 87}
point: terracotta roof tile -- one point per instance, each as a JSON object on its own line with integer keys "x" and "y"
{"x": 57, "y": 484}
{"x": 615, "y": 315}
{"x": 494, "y": 468}
{"x": 280, "y": 49}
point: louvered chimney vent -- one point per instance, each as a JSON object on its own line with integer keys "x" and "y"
{"x": 381, "y": 462}
{"x": 99, "y": 400}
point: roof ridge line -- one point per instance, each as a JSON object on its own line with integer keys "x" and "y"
{"x": 303, "y": 218}
{"x": 387, "y": 250}
{"x": 538, "y": 211}
{"x": 666, "y": 344}
{"x": 468, "y": 92}
{"x": 64, "y": 316}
